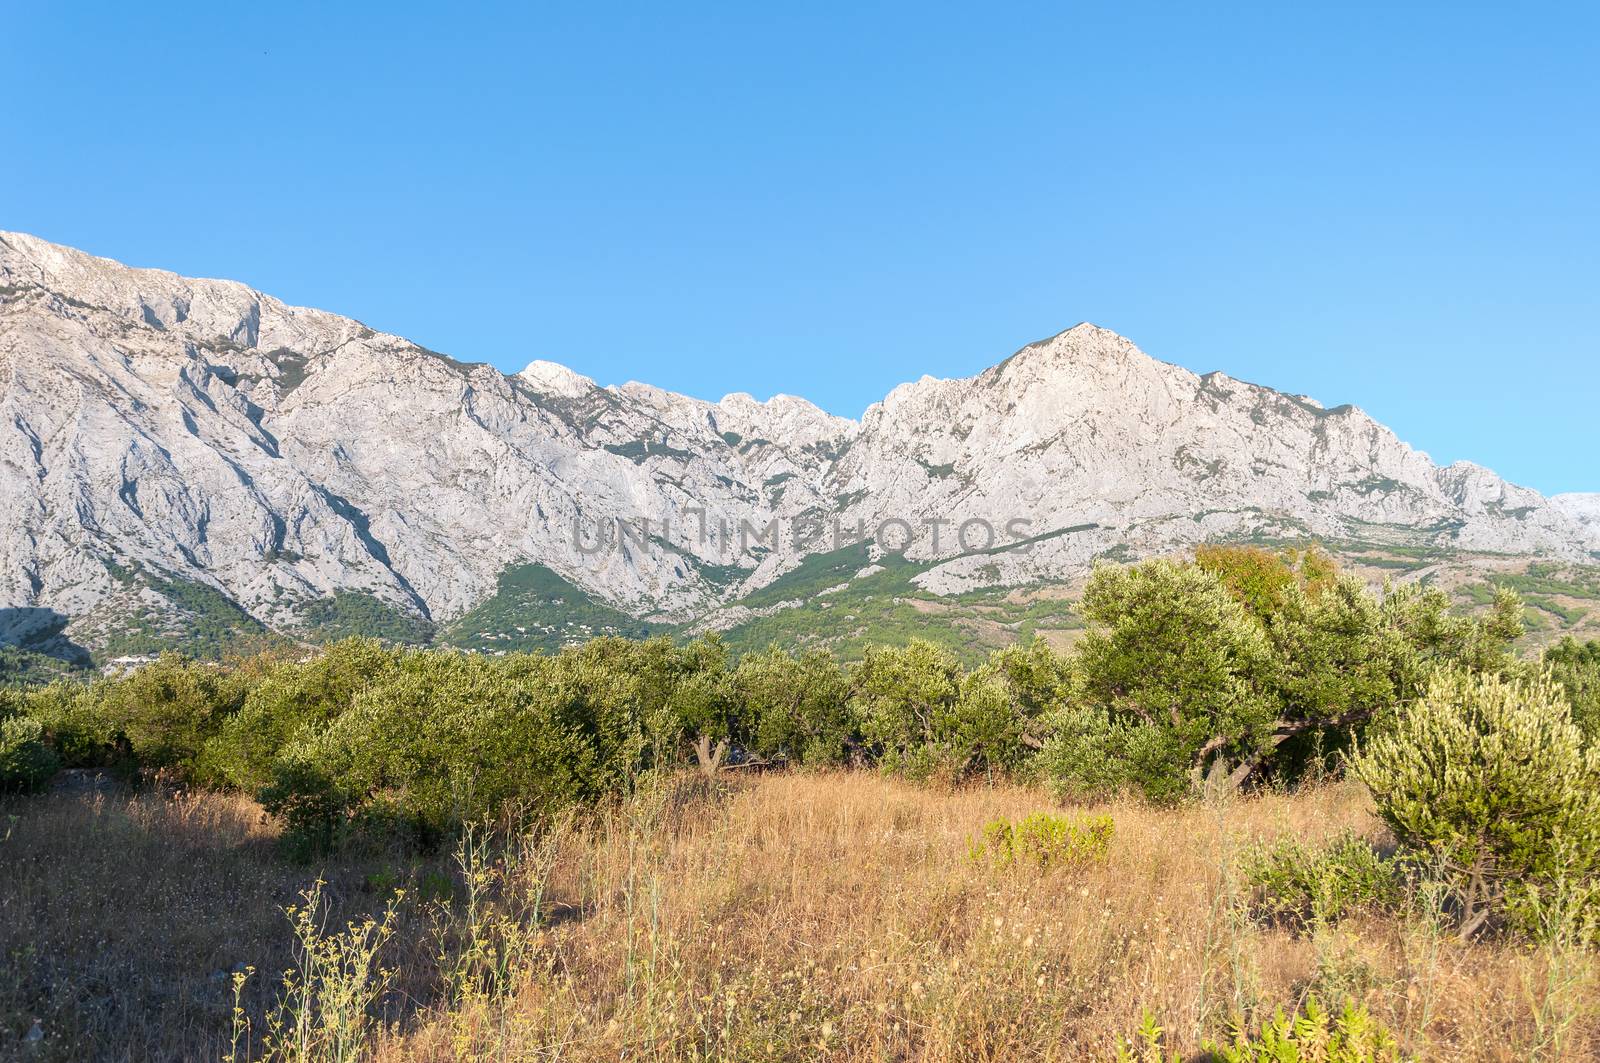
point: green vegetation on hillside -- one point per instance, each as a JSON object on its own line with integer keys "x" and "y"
{"x": 534, "y": 609}
{"x": 157, "y": 612}
{"x": 843, "y": 612}
{"x": 24, "y": 667}
{"x": 350, "y": 614}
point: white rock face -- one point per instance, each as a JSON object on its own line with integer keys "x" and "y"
{"x": 1583, "y": 508}
{"x": 200, "y": 431}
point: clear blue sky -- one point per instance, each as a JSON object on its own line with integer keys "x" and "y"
{"x": 1396, "y": 205}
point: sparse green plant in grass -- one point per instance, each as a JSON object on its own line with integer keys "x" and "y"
{"x": 1044, "y": 840}
{"x": 1307, "y": 885}
{"x": 480, "y": 945}
{"x": 1312, "y": 1035}
{"x": 1565, "y": 918}
{"x": 1146, "y": 1045}
{"x": 326, "y": 1003}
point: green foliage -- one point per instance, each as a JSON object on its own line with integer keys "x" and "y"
{"x": 1095, "y": 752}
{"x": 75, "y": 722}
{"x": 169, "y": 709}
{"x": 438, "y": 740}
{"x": 1247, "y": 664}
{"x": 914, "y": 711}
{"x": 27, "y": 763}
{"x": 796, "y": 706}
{"x": 193, "y": 618}
{"x": 1490, "y": 781}
{"x": 21, "y": 667}
{"x": 1313, "y": 1036}
{"x": 1044, "y": 840}
{"x": 1146, "y": 1045}
{"x": 1176, "y": 668}
{"x": 813, "y": 575}
{"x": 826, "y": 604}
{"x": 1443, "y": 639}
{"x": 1576, "y": 666}
{"x": 367, "y": 741}
{"x": 288, "y": 699}
{"x": 1304, "y": 885}
{"x": 1262, "y": 580}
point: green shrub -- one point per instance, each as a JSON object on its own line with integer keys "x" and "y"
{"x": 1313, "y": 1036}
{"x": 27, "y": 764}
{"x": 1576, "y": 666}
{"x": 796, "y": 707}
{"x": 312, "y": 809}
{"x": 169, "y": 709}
{"x": 1044, "y": 840}
{"x": 700, "y": 703}
{"x": 1039, "y": 682}
{"x": 905, "y": 697}
{"x": 75, "y": 723}
{"x": 446, "y": 738}
{"x": 1246, "y": 665}
{"x": 1176, "y": 656}
{"x": 1488, "y": 779}
{"x": 1302, "y": 884}
{"x": 1092, "y": 752}
{"x": 289, "y": 699}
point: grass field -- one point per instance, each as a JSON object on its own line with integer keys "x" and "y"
{"x": 789, "y": 916}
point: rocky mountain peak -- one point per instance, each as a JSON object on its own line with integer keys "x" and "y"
{"x": 556, "y": 379}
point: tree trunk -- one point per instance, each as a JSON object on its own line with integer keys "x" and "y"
{"x": 709, "y": 758}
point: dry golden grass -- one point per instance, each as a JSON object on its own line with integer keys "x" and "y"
{"x": 841, "y": 916}
{"x": 122, "y": 916}
{"x": 792, "y": 917}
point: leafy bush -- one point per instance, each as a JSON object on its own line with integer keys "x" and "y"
{"x": 1489, "y": 779}
{"x": 1044, "y": 840}
{"x": 290, "y": 698}
{"x": 26, "y": 763}
{"x": 312, "y": 807}
{"x": 1244, "y": 665}
{"x": 905, "y": 697}
{"x": 1313, "y": 1036}
{"x": 75, "y": 723}
{"x": 1576, "y": 666}
{"x": 1173, "y": 653}
{"x": 1302, "y": 884}
{"x": 796, "y": 707}
{"x": 1093, "y": 752}
{"x": 1309, "y": 1036}
{"x": 169, "y": 709}
{"x": 441, "y": 739}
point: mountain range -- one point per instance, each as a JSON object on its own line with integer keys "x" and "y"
{"x": 188, "y": 459}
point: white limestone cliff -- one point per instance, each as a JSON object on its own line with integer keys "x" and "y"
{"x": 197, "y": 430}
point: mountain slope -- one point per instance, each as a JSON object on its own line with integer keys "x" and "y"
{"x": 178, "y": 453}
